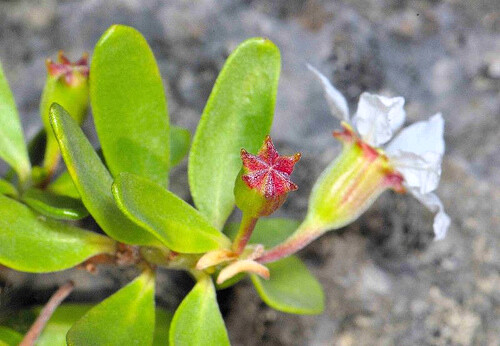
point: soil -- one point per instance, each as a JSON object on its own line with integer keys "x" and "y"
{"x": 386, "y": 281}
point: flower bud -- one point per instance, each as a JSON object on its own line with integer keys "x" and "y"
{"x": 264, "y": 180}
{"x": 67, "y": 84}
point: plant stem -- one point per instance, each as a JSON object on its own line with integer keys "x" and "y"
{"x": 244, "y": 232}
{"x": 42, "y": 319}
{"x": 52, "y": 156}
{"x": 293, "y": 244}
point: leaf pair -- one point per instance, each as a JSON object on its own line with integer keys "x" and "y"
{"x": 159, "y": 216}
{"x": 29, "y": 241}
{"x": 93, "y": 181}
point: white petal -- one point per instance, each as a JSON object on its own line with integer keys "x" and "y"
{"x": 434, "y": 204}
{"x": 421, "y": 137}
{"x": 379, "y": 117}
{"x": 417, "y": 153}
{"x": 336, "y": 101}
{"x": 421, "y": 172}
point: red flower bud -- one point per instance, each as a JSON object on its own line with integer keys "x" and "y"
{"x": 73, "y": 73}
{"x": 264, "y": 181}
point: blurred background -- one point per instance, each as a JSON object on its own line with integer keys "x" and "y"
{"x": 386, "y": 281}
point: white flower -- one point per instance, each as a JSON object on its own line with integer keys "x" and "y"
{"x": 416, "y": 151}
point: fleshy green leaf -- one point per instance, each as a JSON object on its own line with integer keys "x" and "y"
{"x": 177, "y": 224}
{"x": 55, "y": 206}
{"x": 291, "y": 288}
{"x": 31, "y": 243}
{"x": 238, "y": 115}
{"x": 125, "y": 318}
{"x": 64, "y": 186}
{"x": 129, "y": 105}
{"x": 9, "y": 337}
{"x": 162, "y": 327}
{"x": 12, "y": 147}
{"x": 7, "y": 188}
{"x": 198, "y": 320}
{"x": 93, "y": 181}
{"x": 54, "y": 333}
{"x": 268, "y": 232}
{"x": 180, "y": 139}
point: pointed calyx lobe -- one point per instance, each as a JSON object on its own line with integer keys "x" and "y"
{"x": 74, "y": 73}
{"x": 268, "y": 172}
{"x": 264, "y": 180}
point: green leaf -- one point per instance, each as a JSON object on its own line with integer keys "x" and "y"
{"x": 12, "y": 147}
{"x": 93, "y": 181}
{"x": 55, "y": 206}
{"x": 177, "y": 224}
{"x": 64, "y": 186}
{"x": 7, "y": 188}
{"x": 198, "y": 320}
{"x": 162, "y": 327}
{"x": 268, "y": 232}
{"x": 125, "y": 318}
{"x": 129, "y": 105}
{"x": 291, "y": 288}
{"x": 238, "y": 114}
{"x": 9, "y": 337}
{"x": 31, "y": 243}
{"x": 54, "y": 333}
{"x": 180, "y": 139}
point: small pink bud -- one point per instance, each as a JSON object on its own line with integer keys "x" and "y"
{"x": 74, "y": 73}
{"x": 264, "y": 181}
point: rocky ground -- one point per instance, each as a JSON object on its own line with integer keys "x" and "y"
{"x": 386, "y": 281}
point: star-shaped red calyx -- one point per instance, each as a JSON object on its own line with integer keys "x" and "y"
{"x": 267, "y": 172}
{"x": 64, "y": 67}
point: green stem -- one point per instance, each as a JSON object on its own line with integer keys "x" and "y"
{"x": 244, "y": 232}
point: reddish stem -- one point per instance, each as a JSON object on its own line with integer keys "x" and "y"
{"x": 42, "y": 319}
{"x": 293, "y": 244}
{"x": 247, "y": 226}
